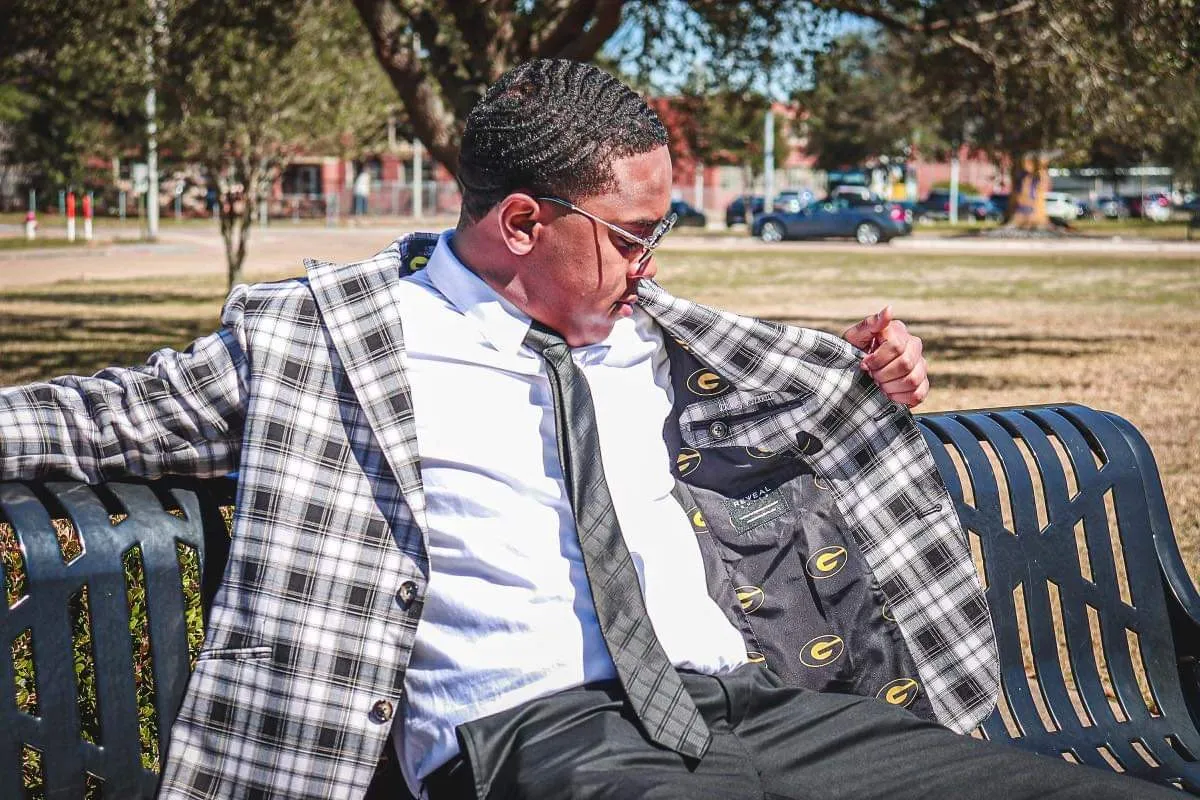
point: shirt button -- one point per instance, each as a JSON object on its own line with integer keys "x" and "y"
{"x": 718, "y": 430}
{"x": 406, "y": 594}
{"x": 381, "y": 711}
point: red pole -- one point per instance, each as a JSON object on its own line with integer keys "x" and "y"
{"x": 70, "y": 216}
{"x": 87, "y": 217}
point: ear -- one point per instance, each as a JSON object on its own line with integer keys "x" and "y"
{"x": 518, "y": 216}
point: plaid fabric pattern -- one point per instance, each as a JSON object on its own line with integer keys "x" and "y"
{"x": 654, "y": 689}
{"x": 303, "y": 390}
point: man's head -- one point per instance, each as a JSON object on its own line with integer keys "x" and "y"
{"x": 553, "y": 151}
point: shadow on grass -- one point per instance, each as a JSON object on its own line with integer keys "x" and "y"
{"x": 112, "y": 298}
{"x": 39, "y": 347}
{"x": 43, "y": 345}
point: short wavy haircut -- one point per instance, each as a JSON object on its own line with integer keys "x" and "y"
{"x": 551, "y": 127}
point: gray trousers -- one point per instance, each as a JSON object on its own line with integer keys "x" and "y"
{"x": 769, "y": 742}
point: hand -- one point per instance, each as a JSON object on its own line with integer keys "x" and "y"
{"x": 895, "y": 358}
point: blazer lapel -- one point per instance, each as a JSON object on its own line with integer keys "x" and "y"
{"x": 360, "y": 311}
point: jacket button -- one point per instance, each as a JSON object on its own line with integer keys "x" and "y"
{"x": 718, "y": 430}
{"x": 381, "y": 711}
{"x": 406, "y": 594}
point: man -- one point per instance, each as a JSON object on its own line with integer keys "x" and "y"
{"x": 362, "y": 191}
{"x": 515, "y": 518}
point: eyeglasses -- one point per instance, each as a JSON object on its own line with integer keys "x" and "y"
{"x": 647, "y": 245}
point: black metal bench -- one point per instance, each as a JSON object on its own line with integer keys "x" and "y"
{"x": 1064, "y": 511}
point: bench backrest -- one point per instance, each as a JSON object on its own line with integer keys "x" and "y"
{"x": 87, "y": 713}
{"x": 1064, "y": 507}
{"x": 97, "y": 618}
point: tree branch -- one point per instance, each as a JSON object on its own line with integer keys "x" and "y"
{"x": 891, "y": 21}
{"x": 972, "y": 47}
{"x": 984, "y": 17}
{"x": 431, "y": 120}
{"x": 607, "y": 20}
{"x": 898, "y": 23}
{"x": 568, "y": 21}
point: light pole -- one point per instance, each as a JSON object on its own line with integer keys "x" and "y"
{"x": 769, "y": 160}
{"x": 160, "y": 24}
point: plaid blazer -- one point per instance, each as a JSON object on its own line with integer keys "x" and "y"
{"x": 304, "y": 391}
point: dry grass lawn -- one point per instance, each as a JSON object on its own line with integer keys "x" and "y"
{"x": 1111, "y": 331}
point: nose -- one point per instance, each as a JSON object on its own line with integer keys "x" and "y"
{"x": 646, "y": 270}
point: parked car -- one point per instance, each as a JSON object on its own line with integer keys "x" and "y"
{"x": 688, "y": 215}
{"x": 791, "y": 200}
{"x": 1000, "y": 201}
{"x": 1060, "y": 207}
{"x": 1156, "y": 206}
{"x": 936, "y": 206}
{"x": 869, "y": 224}
{"x": 866, "y": 198}
{"x": 1111, "y": 207}
{"x": 735, "y": 212}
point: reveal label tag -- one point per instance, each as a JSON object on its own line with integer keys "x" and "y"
{"x": 757, "y": 509}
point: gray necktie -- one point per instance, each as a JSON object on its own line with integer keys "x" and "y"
{"x": 657, "y": 695}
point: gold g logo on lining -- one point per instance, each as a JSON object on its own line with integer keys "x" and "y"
{"x": 900, "y": 692}
{"x": 755, "y": 657}
{"x": 751, "y": 598}
{"x": 698, "y": 522}
{"x": 687, "y": 461}
{"x": 822, "y": 650}
{"x": 827, "y": 562}
{"x": 887, "y": 614}
{"x": 758, "y": 452}
{"x": 417, "y": 263}
{"x": 705, "y": 382}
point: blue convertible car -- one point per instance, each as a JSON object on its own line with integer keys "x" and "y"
{"x": 868, "y": 221}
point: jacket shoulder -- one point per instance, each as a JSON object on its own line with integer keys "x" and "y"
{"x": 291, "y": 296}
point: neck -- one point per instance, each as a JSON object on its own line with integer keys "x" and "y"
{"x": 493, "y": 264}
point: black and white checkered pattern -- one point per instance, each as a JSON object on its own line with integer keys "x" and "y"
{"x": 304, "y": 391}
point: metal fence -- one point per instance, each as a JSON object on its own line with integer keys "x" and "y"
{"x": 385, "y": 199}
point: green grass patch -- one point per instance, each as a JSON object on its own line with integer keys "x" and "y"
{"x": 1074, "y": 278}
{"x": 21, "y": 243}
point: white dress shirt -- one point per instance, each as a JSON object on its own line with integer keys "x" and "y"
{"x": 508, "y": 615}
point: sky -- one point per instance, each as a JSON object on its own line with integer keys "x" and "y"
{"x": 670, "y": 78}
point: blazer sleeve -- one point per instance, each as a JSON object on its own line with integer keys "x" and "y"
{"x": 180, "y": 413}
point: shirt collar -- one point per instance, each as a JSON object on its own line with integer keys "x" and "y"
{"x": 504, "y": 325}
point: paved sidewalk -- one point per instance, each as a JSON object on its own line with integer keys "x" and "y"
{"x": 281, "y": 248}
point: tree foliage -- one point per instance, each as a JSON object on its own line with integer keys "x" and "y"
{"x": 720, "y": 126}
{"x": 72, "y": 79}
{"x": 1031, "y": 81}
{"x": 250, "y": 84}
{"x": 441, "y": 57}
{"x": 858, "y": 104}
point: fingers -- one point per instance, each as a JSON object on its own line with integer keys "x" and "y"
{"x": 907, "y": 385}
{"x": 911, "y": 397}
{"x": 864, "y": 333}
{"x": 881, "y": 320}
{"x": 890, "y": 362}
{"x": 891, "y": 343}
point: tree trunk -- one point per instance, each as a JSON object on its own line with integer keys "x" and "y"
{"x": 470, "y": 46}
{"x": 237, "y": 216}
{"x": 1027, "y": 200}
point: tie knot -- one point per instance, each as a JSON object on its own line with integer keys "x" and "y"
{"x": 545, "y": 341}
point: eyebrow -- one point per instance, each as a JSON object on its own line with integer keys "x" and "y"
{"x": 647, "y": 224}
